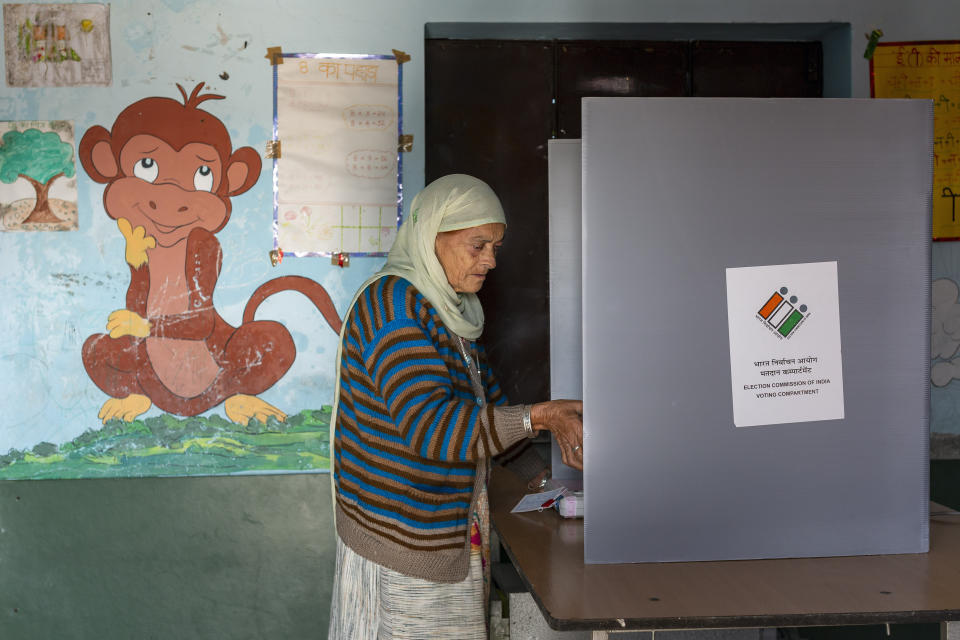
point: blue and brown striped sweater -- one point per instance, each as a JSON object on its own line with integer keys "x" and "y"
{"x": 412, "y": 444}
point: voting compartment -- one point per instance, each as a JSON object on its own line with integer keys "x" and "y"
{"x": 756, "y": 327}
{"x": 566, "y": 288}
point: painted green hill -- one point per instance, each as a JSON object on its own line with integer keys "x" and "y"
{"x": 170, "y": 446}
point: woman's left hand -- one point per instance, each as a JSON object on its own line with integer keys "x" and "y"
{"x": 563, "y": 418}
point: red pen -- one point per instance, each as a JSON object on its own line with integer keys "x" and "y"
{"x": 549, "y": 503}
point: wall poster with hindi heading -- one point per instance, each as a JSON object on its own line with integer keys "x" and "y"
{"x": 337, "y": 180}
{"x": 929, "y": 70}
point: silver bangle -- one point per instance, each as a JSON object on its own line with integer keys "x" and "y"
{"x": 527, "y": 424}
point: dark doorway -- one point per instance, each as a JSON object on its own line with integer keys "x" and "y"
{"x": 491, "y": 106}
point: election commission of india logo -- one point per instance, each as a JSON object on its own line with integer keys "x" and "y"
{"x": 782, "y": 314}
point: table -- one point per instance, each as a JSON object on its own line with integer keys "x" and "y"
{"x": 547, "y": 551}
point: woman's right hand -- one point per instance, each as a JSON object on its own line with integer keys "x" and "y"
{"x": 563, "y": 418}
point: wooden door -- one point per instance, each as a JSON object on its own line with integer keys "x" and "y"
{"x": 491, "y": 106}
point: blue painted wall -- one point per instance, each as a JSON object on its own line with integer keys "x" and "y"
{"x": 58, "y": 288}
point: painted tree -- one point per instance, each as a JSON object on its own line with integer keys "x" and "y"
{"x": 39, "y": 157}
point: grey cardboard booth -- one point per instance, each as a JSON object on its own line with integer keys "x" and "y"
{"x": 756, "y": 327}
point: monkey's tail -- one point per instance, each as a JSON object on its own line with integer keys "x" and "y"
{"x": 313, "y": 290}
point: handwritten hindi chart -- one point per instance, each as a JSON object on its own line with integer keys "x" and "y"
{"x": 929, "y": 70}
{"x": 337, "y": 180}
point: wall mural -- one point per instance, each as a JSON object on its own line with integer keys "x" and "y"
{"x": 170, "y": 172}
{"x": 945, "y": 356}
{"x": 945, "y": 341}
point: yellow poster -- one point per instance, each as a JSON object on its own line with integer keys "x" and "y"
{"x": 929, "y": 70}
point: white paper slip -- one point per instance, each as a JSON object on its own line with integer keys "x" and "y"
{"x": 786, "y": 364}
{"x": 538, "y": 501}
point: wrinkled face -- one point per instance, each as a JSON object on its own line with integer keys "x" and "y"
{"x": 468, "y": 254}
{"x": 167, "y": 192}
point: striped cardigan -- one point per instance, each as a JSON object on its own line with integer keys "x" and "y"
{"x": 412, "y": 445}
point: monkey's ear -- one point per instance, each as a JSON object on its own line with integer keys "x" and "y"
{"x": 96, "y": 155}
{"x": 243, "y": 170}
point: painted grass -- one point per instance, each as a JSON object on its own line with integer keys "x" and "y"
{"x": 170, "y": 446}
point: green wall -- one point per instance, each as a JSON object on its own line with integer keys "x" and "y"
{"x": 179, "y": 558}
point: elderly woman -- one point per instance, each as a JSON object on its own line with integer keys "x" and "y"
{"x": 419, "y": 416}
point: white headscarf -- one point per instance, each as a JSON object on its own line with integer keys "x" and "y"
{"x": 449, "y": 203}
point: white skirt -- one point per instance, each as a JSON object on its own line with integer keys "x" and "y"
{"x": 371, "y": 602}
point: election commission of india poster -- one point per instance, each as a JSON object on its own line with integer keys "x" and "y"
{"x": 929, "y": 70}
{"x": 785, "y": 357}
{"x": 337, "y": 165}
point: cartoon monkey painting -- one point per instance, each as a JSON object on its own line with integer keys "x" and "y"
{"x": 170, "y": 172}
